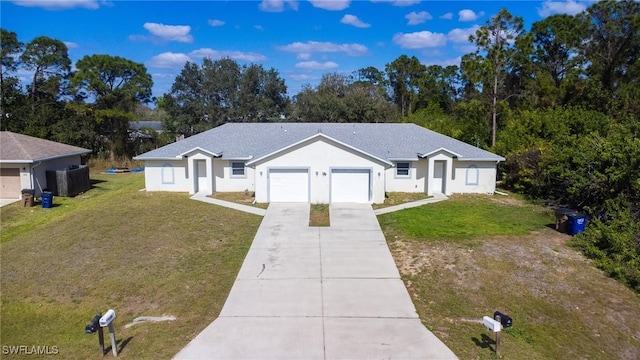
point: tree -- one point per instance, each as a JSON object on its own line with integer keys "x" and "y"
{"x": 496, "y": 39}
{"x": 116, "y": 84}
{"x": 47, "y": 58}
{"x": 10, "y": 47}
{"x": 402, "y": 75}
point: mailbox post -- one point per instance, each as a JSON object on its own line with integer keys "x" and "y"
{"x": 94, "y": 326}
{"x": 107, "y": 320}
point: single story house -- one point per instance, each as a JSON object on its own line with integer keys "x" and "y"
{"x": 25, "y": 160}
{"x": 320, "y": 162}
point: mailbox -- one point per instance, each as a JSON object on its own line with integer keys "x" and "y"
{"x": 93, "y": 325}
{"x": 505, "y": 319}
{"x": 491, "y": 324}
{"x": 107, "y": 318}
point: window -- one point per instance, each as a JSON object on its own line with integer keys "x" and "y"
{"x": 402, "y": 169}
{"x": 168, "y": 176}
{"x": 237, "y": 169}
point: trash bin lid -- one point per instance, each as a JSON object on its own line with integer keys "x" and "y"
{"x": 28, "y": 191}
{"x": 565, "y": 211}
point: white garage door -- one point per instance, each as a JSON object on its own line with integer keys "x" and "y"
{"x": 10, "y": 183}
{"x": 350, "y": 185}
{"x": 288, "y": 185}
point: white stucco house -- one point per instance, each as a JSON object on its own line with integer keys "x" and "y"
{"x": 25, "y": 160}
{"x": 320, "y": 162}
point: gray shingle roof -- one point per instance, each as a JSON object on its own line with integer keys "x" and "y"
{"x": 386, "y": 141}
{"x": 23, "y": 148}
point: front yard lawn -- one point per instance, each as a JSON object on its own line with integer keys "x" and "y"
{"x": 139, "y": 253}
{"x": 471, "y": 255}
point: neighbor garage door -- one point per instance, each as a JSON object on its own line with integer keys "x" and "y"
{"x": 10, "y": 183}
{"x": 288, "y": 185}
{"x": 350, "y": 185}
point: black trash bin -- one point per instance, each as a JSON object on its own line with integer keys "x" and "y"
{"x": 27, "y": 197}
{"x": 562, "y": 218}
{"x": 47, "y": 199}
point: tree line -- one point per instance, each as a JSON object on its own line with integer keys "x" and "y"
{"x": 560, "y": 101}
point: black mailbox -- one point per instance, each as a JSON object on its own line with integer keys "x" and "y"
{"x": 94, "y": 325}
{"x": 505, "y": 319}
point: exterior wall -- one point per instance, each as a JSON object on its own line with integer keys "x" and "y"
{"x": 226, "y": 183}
{"x": 39, "y": 170}
{"x": 414, "y": 183}
{"x": 166, "y": 175}
{"x": 473, "y": 177}
{"x": 319, "y": 156}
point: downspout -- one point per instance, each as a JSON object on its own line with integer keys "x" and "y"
{"x": 31, "y": 177}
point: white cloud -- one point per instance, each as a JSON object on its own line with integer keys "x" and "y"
{"x": 304, "y": 56}
{"x": 462, "y": 35}
{"x": 303, "y": 77}
{"x": 447, "y": 16}
{"x": 333, "y": 5}
{"x": 314, "y": 65}
{"x": 469, "y": 15}
{"x": 59, "y": 4}
{"x": 277, "y": 5}
{"x": 235, "y": 55}
{"x": 258, "y": 27}
{"x": 570, "y": 7}
{"x": 315, "y": 47}
{"x": 215, "y": 22}
{"x": 71, "y": 45}
{"x": 399, "y": 2}
{"x": 419, "y": 40}
{"x": 353, "y": 20}
{"x": 168, "y": 60}
{"x": 178, "y": 33}
{"x": 417, "y": 18}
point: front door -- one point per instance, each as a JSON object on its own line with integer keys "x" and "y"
{"x": 438, "y": 176}
{"x": 201, "y": 175}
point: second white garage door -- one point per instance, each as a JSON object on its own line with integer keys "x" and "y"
{"x": 350, "y": 185}
{"x": 288, "y": 185}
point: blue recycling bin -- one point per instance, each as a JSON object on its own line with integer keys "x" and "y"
{"x": 576, "y": 223}
{"x": 47, "y": 199}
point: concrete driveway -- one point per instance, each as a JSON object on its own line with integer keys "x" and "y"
{"x": 317, "y": 293}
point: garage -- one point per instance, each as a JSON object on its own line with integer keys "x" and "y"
{"x": 350, "y": 185}
{"x": 10, "y": 183}
{"x": 288, "y": 185}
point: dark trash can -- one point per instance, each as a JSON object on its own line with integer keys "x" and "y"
{"x": 576, "y": 223}
{"x": 505, "y": 319}
{"x": 47, "y": 199}
{"x": 562, "y": 218}
{"x": 27, "y": 197}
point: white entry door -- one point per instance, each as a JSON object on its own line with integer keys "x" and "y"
{"x": 288, "y": 185}
{"x": 438, "y": 176}
{"x": 350, "y": 185}
{"x": 201, "y": 169}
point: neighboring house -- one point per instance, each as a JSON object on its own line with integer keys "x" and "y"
{"x": 137, "y": 128}
{"x": 24, "y": 161}
{"x": 320, "y": 162}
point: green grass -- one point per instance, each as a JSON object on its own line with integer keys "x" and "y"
{"x": 466, "y": 217}
{"x": 140, "y": 253}
{"x": 240, "y": 198}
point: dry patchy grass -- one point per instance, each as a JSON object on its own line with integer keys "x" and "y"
{"x": 397, "y": 198}
{"x": 139, "y": 253}
{"x": 244, "y": 198}
{"x": 319, "y": 215}
{"x": 562, "y": 306}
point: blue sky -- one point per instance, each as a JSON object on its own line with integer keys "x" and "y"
{"x": 300, "y": 39}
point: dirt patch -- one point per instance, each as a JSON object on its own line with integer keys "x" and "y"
{"x": 561, "y": 304}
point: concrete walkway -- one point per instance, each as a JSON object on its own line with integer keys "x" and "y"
{"x": 317, "y": 293}
{"x": 437, "y": 197}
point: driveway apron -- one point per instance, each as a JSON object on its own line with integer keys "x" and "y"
{"x": 317, "y": 293}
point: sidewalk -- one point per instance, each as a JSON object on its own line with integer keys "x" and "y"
{"x": 436, "y": 198}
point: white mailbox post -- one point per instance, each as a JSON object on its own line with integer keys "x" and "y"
{"x": 494, "y": 326}
{"x": 107, "y": 320}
